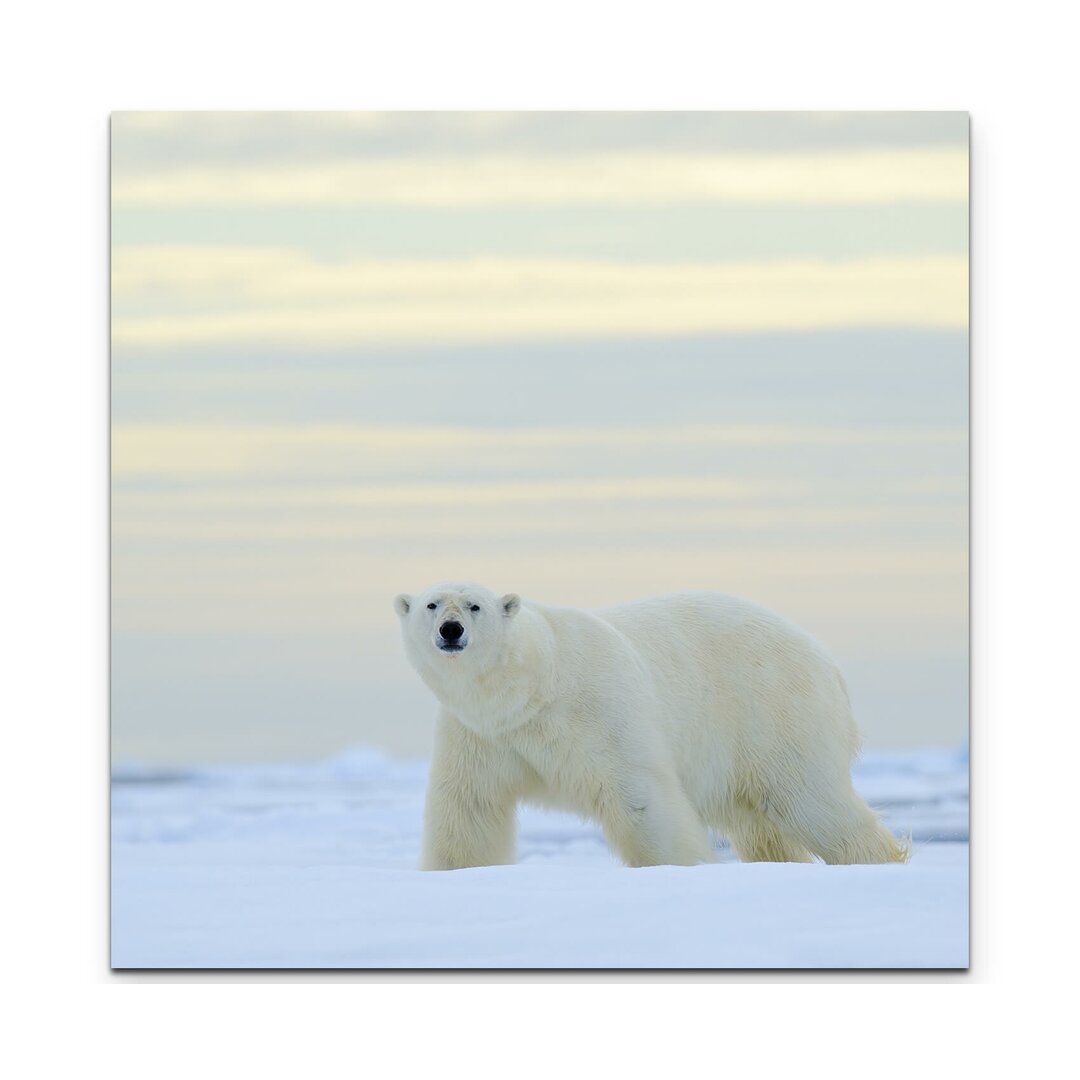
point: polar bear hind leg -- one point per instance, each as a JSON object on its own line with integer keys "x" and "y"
{"x": 839, "y": 828}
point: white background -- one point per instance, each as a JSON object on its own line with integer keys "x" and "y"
{"x": 67, "y": 66}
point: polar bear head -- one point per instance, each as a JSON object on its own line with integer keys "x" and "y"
{"x": 455, "y": 625}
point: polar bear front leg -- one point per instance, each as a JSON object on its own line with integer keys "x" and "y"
{"x": 470, "y": 813}
{"x": 648, "y": 821}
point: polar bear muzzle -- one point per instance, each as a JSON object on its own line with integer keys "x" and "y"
{"x": 450, "y": 636}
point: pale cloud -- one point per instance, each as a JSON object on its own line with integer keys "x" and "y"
{"x": 285, "y": 298}
{"x": 199, "y": 452}
{"x": 920, "y": 174}
{"x": 568, "y": 516}
{"x": 156, "y": 140}
{"x": 474, "y": 494}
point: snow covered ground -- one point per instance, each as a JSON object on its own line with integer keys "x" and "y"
{"x": 312, "y": 866}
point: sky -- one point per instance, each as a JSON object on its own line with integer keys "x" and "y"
{"x": 586, "y": 357}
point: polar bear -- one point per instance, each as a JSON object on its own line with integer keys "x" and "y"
{"x": 658, "y": 719}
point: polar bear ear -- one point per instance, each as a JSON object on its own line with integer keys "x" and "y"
{"x": 402, "y": 603}
{"x": 510, "y": 604}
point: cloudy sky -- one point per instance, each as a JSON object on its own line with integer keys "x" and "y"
{"x": 585, "y": 357}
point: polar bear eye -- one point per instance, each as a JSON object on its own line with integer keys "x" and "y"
{"x": 475, "y": 607}
{"x": 432, "y": 607}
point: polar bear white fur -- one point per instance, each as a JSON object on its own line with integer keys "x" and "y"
{"x": 658, "y": 719}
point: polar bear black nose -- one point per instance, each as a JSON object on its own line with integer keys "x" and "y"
{"x": 451, "y": 631}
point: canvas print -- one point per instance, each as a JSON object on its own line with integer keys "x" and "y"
{"x": 539, "y": 540}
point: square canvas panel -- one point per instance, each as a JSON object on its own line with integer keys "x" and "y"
{"x": 582, "y": 359}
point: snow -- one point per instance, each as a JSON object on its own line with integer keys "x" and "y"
{"x": 312, "y": 866}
